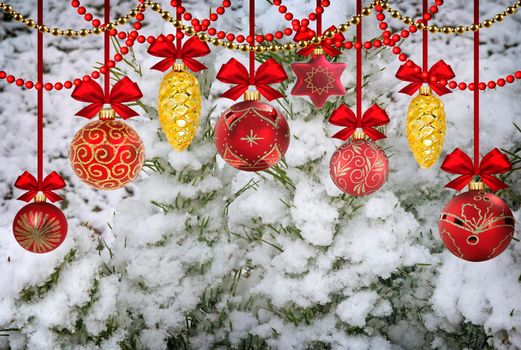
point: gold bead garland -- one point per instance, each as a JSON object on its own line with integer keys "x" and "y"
{"x": 30, "y": 23}
{"x": 289, "y": 46}
{"x": 460, "y": 29}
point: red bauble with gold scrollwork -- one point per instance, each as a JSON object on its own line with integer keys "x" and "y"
{"x": 107, "y": 154}
{"x": 476, "y": 225}
{"x": 359, "y": 167}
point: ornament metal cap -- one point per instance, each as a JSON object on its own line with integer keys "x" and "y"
{"x": 359, "y": 135}
{"x": 40, "y": 198}
{"x": 251, "y": 95}
{"x": 107, "y": 114}
{"x": 179, "y": 67}
{"x": 425, "y": 90}
{"x": 318, "y": 51}
{"x": 476, "y": 186}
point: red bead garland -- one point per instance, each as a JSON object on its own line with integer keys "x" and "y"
{"x": 389, "y": 39}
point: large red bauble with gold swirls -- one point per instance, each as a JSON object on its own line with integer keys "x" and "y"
{"x": 359, "y": 167}
{"x": 40, "y": 227}
{"x": 107, "y": 154}
{"x": 476, "y": 226}
{"x": 251, "y": 135}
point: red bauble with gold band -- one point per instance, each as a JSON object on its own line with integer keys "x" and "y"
{"x": 359, "y": 167}
{"x": 252, "y": 135}
{"x": 40, "y": 227}
{"x": 476, "y": 225}
{"x": 107, "y": 154}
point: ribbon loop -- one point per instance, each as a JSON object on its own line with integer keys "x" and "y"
{"x": 193, "y": 47}
{"x": 372, "y": 117}
{"x": 28, "y": 183}
{"x": 234, "y": 72}
{"x": 436, "y": 77}
{"x": 326, "y": 45}
{"x": 123, "y": 91}
{"x": 493, "y": 163}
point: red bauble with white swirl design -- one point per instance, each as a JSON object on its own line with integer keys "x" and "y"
{"x": 107, "y": 154}
{"x": 40, "y": 227}
{"x": 251, "y": 135}
{"x": 359, "y": 167}
{"x": 476, "y": 226}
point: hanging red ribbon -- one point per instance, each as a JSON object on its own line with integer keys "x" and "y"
{"x": 193, "y": 47}
{"x": 436, "y": 77}
{"x": 373, "y": 117}
{"x": 28, "y": 182}
{"x": 494, "y": 162}
{"x": 123, "y": 91}
{"x": 326, "y": 45}
{"x": 234, "y": 72}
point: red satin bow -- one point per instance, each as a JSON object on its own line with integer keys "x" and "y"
{"x": 331, "y": 50}
{"x": 494, "y": 162}
{"x": 234, "y": 72}
{"x": 28, "y": 182}
{"x": 124, "y": 90}
{"x": 439, "y": 72}
{"x": 193, "y": 47}
{"x": 373, "y": 117}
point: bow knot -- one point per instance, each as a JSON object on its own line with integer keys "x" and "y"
{"x": 123, "y": 91}
{"x": 373, "y": 117}
{"x": 28, "y": 182}
{"x": 493, "y": 163}
{"x": 193, "y": 47}
{"x": 234, "y": 72}
{"x": 328, "y": 45}
{"x": 436, "y": 77}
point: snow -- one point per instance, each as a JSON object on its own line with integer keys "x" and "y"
{"x": 178, "y": 257}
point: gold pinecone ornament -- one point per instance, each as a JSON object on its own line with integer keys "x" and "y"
{"x": 426, "y": 127}
{"x": 179, "y": 106}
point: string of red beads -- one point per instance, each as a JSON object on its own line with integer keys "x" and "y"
{"x": 202, "y": 26}
{"x": 483, "y": 85}
{"x": 394, "y": 38}
{"x": 131, "y": 37}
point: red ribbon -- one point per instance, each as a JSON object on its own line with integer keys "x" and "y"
{"x": 124, "y": 90}
{"x": 193, "y": 47}
{"x": 373, "y": 117}
{"x": 436, "y": 77}
{"x": 494, "y": 162}
{"x": 28, "y": 182}
{"x": 306, "y": 34}
{"x": 234, "y": 72}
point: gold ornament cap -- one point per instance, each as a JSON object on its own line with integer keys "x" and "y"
{"x": 425, "y": 90}
{"x": 40, "y": 198}
{"x": 476, "y": 186}
{"x": 251, "y": 95}
{"x": 359, "y": 135}
{"x": 179, "y": 67}
{"x": 318, "y": 51}
{"x": 107, "y": 114}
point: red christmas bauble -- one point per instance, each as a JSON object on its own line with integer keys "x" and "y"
{"x": 107, "y": 154}
{"x": 251, "y": 135}
{"x": 359, "y": 167}
{"x": 476, "y": 226}
{"x": 40, "y": 227}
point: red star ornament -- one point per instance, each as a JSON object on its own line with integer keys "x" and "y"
{"x": 318, "y": 79}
